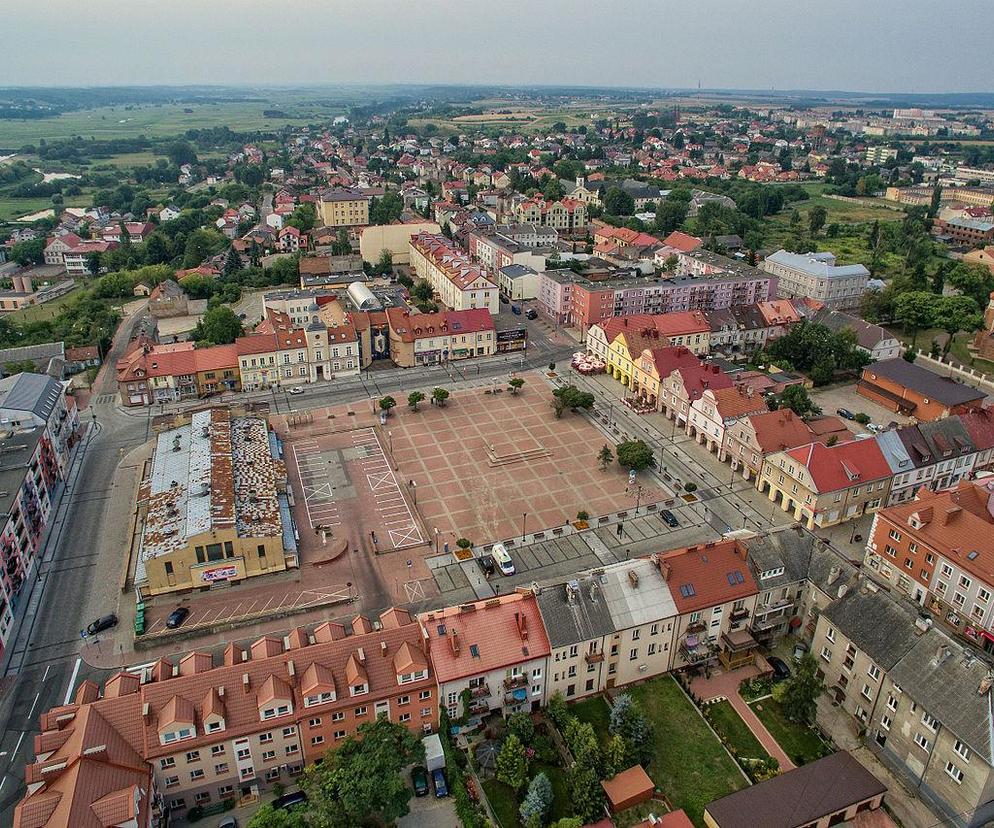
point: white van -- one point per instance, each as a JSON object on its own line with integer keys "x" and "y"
{"x": 503, "y": 559}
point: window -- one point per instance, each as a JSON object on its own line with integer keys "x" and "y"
{"x": 867, "y": 691}
{"x": 891, "y": 703}
{"x": 652, "y": 649}
{"x": 320, "y": 698}
{"x": 193, "y": 756}
{"x": 425, "y": 694}
{"x": 289, "y": 731}
{"x": 826, "y": 654}
{"x": 314, "y": 723}
{"x": 954, "y": 772}
{"x": 636, "y": 634}
{"x": 221, "y": 768}
{"x": 634, "y": 654}
{"x": 361, "y": 711}
{"x": 894, "y": 535}
{"x": 196, "y": 774}
{"x": 405, "y": 717}
{"x": 168, "y": 762}
{"x": 265, "y": 738}
{"x": 268, "y": 755}
{"x": 273, "y": 712}
{"x": 338, "y": 717}
{"x": 178, "y": 735}
{"x": 177, "y": 804}
{"x": 930, "y": 721}
{"x": 317, "y": 740}
{"x": 225, "y": 790}
{"x": 921, "y": 741}
{"x": 886, "y": 721}
{"x": 215, "y": 726}
{"x": 946, "y": 570}
{"x": 171, "y": 781}
{"x": 830, "y": 634}
{"x": 873, "y": 672}
{"x": 404, "y": 700}
{"x": 339, "y": 734}
{"x": 292, "y": 749}
{"x": 654, "y": 629}
{"x": 962, "y": 750}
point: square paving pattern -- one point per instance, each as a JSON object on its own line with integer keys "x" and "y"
{"x": 483, "y": 461}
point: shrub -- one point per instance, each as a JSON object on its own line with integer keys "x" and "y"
{"x": 690, "y": 487}
{"x": 582, "y": 515}
{"x": 464, "y": 543}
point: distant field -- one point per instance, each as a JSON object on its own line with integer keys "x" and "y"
{"x": 12, "y": 208}
{"x": 506, "y": 113}
{"x": 156, "y": 121}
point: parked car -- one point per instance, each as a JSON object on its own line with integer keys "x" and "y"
{"x": 228, "y": 822}
{"x": 419, "y": 776}
{"x": 876, "y": 429}
{"x": 503, "y": 559}
{"x": 516, "y": 310}
{"x": 104, "y": 622}
{"x": 503, "y": 299}
{"x": 531, "y": 313}
{"x": 177, "y": 617}
{"x": 780, "y": 669}
{"x": 669, "y": 518}
{"x": 438, "y": 777}
{"x": 487, "y": 565}
{"x": 289, "y": 801}
{"x": 845, "y": 413}
{"x": 296, "y": 390}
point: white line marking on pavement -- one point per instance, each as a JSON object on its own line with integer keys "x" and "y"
{"x": 72, "y": 680}
{"x": 32, "y": 710}
{"x": 17, "y": 747}
{"x": 45, "y": 677}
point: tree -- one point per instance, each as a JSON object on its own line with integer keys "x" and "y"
{"x": 219, "y": 326}
{"x": 616, "y": 755}
{"x": 975, "y": 281}
{"x": 537, "y": 801}
{"x": 232, "y": 262}
{"x": 816, "y": 219}
{"x": 522, "y": 726}
{"x": 954, "y": 314}
{"x": 414, "y": 398}
{"x": 29, "y": 252}
{"x": 304, "y": 217}
{"x": 386, "y": 403}
{"x": 915, "y": 310}
{"x": 634, "y": 454}
{"x": 605, "y": 457}
{"x": 670, "y": 215}
{"x": 181, "y": 152}
{"x": 569, "y": 396}
{"x": 618, "y": 203}
{"x": 341, "y": 246}
{"x": 798, "y": 695}
{"x": 200, "y": 244}
{"x": 515, "y": 384}
{"x": 422, "y": 291}
{"x": 512, "y": 763}
{"x": 585, "y": 791}
{"x": 19, "y": 366}
{"x": 629, "y": 722}
{"x": 439, "y": 396}
{"x": 386, "y": 209}
{"x": 362, "y": 778}
{"x": 269, "y": 817}
{"x": 384, "y": 265}
{"x": 567, "y": 822}
{"x": 557, "y": 710}
{"x": 797, "y": 399}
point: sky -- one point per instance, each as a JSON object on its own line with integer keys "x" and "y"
{"x": 854, "y": 45}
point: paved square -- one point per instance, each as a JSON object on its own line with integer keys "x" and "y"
{"x": 482, "y": 462}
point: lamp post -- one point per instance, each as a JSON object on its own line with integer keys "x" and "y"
{"x": 414, "y": 491}
{"x": 436, "y": 539}
{"x": 524, "y": 517}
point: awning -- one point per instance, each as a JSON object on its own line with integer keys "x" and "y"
{"x": 691, "y": 642}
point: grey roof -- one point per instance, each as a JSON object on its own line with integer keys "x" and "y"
{"x": 16, "y": 452}
{"x": 801, "y": 796}
{"x": 37, "y": 393}
{"x": 41, "y": 353}
{"x": 517, "y": 271}
{"x": 945, "y": 678}
{"x": 894, "y": 452}
{"x": 817, "y": 265}
{"x": 790, "y": 550}
{"x": 574, "y": 612}
{"x": 881, "y": 627}
{"x": 635, "y": 601}
{"x": 868, "y": 335}
{"x": 933, "y": 386}
{"x": 947, "y": 438}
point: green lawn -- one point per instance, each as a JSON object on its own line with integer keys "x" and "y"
{"x": 690, "y": 766}
{"x": 505, "y": 804}
{"x": 729, "y": 724}
{"x": 34, "y": 313}
{"x": 799, "y": 742}
{"x": 959, "y": 350}
{"x": 595, "y": 711}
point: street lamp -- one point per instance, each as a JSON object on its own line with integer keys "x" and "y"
{"x": 436, "y": 540}
{"x": 390, "y": 440}
{"x": 524, "y": 517}
{"x": 414, "y": 491}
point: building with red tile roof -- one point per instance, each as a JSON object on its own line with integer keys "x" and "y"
{"x": 458, "y": 282}
{"x": 683, "y": 242}
{"x": 191, "y": 733}
{"x": 756, "y": 435}
{"x": 148, "y": 373}
{"x": 432, "y": 338}
{"x": 496, "y": 649}
{"x": 823, "y": 485}
{"x": 715, "y": 413}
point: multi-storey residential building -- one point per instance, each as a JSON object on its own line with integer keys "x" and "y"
{"x": 607, "y": 628}
{"x": 816, "y": 276}
{"x": 208, "y": 733}
{"x": 489, "y": 655}
{"x": 877, "y": 342}
{"x": 339, "y": 207}
{"x": 29, "y": 401}
{"x": 568, "y": 215}
{"x": 458, "y": 283}
{"x": 57, "y": 246}
{"x": 213, "y": 507}
{"x": 824, "y": 485}
{"x": 77, "y": 258}
{"x": 149, "y": 374}
{"x": 555, "y": 294}
{"x": 926, "y": 703}
{"x": 912, "y": 390}
{"x": 433, "y": 338}
{"x": 494, "y": 251}
{"x": 655, "y": 366}
{"x": 755, "y": 436}
{"x": 966, "y": 231}
{"x": 714, "y": 414}
{"x": 715, "y": 594}
{"x": 940, "y": 454}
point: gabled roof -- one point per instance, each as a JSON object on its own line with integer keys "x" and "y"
{"x": 708, "y": 575}
{"x": 682, "y": 241}
{"x": 922, "y": 381}
{"x": 876, "y": 624}
{"x": 842, "y": 465}
{"x": 36, "y": 393}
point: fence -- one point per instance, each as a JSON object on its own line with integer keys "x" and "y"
{"x": 968, "y": 376}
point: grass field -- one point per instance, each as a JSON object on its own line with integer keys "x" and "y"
{"x": 958, "y": 350}
{"x": 157, "y": 121}
{"x": 12, "y": 208}
{"x": 505, "y": 803}
{"x": 690, "y": 766}
{"x": 34, "y": 313}
{"x": 729, "y": 724}
{"x": 798, "y": 741}
{"x": 507, "y": 114}
{"x": 597, "y": 713}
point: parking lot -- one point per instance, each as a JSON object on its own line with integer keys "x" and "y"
{"x": 844, "y": 396}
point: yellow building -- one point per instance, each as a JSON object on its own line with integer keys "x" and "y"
{"x": 396, "y": 238}
{"x": 213, "y": 507}
{"x": 339, "y": 207}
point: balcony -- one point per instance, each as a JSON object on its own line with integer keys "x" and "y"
{"x": 594, "y": 658}
{"x": 696, "y": 627}
{"x": 480, "y": 691}
{"x": 739, "y": 614}
{"x": 479, "y": 706}
{"x": 515, "y": 682}
{"x": 765, "y": 609}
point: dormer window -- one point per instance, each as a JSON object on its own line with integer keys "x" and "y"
{"x": 359, "y": 689}
{"x": 273, "y": 712}
{"x": 407, "y": 678}
{"x": 177, "y": 735}
{"x": 214, "y": 726}
{"x": 319, "y": 698}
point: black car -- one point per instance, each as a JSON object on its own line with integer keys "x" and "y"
{"x": 487, "y": 565}
{"x": 419, "y": 777}
{"x": 845, "y": 413}
{"x": 669, "y": 518}
{"x": 289, "y": 801}
{"x": 177, "y": 617}
{"x": 104, "y": 622}
{"x": 531, "y": 313}
{"x": 780, "y": 669}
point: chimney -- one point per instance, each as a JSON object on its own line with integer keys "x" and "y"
{"x": 246, "y": 682}
{"x": 383, "y": 648}
{"x": 521, "y": 622}
{"x": 454, "y": 642}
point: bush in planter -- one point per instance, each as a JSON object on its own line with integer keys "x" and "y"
{"x": 582, "y": 515}
{"x": 690, "y": 487}
{"x": 464, "y": 543}
{"x": 552, "y": 366}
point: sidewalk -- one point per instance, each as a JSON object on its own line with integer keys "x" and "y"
{"x": 726, "y": 686}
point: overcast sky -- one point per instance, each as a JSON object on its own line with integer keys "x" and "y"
{"x": 872, "y": 45}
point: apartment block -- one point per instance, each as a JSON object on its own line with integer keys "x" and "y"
{"x": 457, "y": 281}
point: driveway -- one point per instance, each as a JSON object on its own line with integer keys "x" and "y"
{"x": 429, "y": 812}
